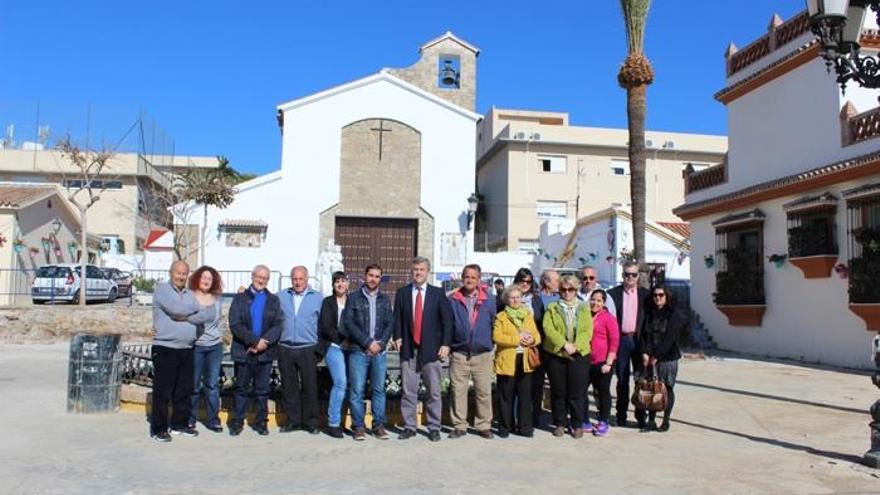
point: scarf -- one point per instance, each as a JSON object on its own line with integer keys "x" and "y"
{"x": 569, "y": 310}
{"x": 517, "y": 316}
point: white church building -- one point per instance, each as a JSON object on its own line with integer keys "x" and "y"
{"x": 382, "y": 166}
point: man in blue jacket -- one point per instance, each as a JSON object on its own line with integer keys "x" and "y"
{"x": 368, "y": 321}
{"x": 422, "y": 332}
{"x": 255, "y": 322}
{"x": 298, "y": 353}
{"x": 473, "y": 311}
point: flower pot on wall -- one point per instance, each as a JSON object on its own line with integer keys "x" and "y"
{"x": 816, "y": 266}
{"x": 870, "y": 312}
{"x": 743, "y": 315}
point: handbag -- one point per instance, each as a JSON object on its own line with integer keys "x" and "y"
{"x": 534, "y": 357}
{"x": 650, "y": 393}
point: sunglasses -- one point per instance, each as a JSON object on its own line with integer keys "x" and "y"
{"x": 525, "y": 281}
{"x": 630, "y": 274}
{"x": 659, "y": 295}
{"x": 589, "y": 278}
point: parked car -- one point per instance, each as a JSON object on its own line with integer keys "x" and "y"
{"x": 123, "y": 280}
{"x": 62, "y": 282}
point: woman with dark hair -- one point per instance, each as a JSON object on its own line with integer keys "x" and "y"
{"x": 330, "y": 337}
{"x": 532, "y": 302}
{"x": 658, "y": 343}
{"x": 207, "y": 288}
{"x": 603, "y": 354}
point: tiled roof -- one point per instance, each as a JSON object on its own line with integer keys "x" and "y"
{"x": 834, "y": 168}
{"x": 681, "y": 228}
{"x": 16, "y": 195}
{"x": 242, "y": 223}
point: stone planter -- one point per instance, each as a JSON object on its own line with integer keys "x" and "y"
{"x": 868, "y": 312}
{"x": 743, "y": 315}
{"x": 816, "y": 266}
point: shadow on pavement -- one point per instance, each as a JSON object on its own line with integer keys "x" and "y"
{"x": 778, "y": 443}
{"x": 773, "y": 397}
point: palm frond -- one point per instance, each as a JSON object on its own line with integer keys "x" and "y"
{"x": 635, "y": 15}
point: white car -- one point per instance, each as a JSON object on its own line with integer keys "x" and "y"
{"x": 61, "y": 282}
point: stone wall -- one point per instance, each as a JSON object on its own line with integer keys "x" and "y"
{"x": 426, "y": 71}
{"x": 50, "y": 323}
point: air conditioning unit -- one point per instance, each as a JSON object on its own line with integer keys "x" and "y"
{"x": 536, "y": 136}
{"x": 669, "y": 145}
{"x": 649, "y": 143}
{"x": 519, "y": 135}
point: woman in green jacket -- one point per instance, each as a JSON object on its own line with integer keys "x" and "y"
{"x": 568, "y": 329}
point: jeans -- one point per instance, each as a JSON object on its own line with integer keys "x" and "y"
{"x": 335, "y": 361}
{"x": 172, "y": 382}
{"x": 359, "y": 365}
{"x": 628, "y": 361}
{"x": 206, "y": 375}
{"x": 245, "y": 374}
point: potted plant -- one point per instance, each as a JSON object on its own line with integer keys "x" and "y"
{"x": 33, "y": 252}
{"x": 841, "y": 270}
{"x": 18, "y": 245}
{"x": 709, "y": 260}
{"x": 2, "y": 240}
{"x": 777, "y": 259}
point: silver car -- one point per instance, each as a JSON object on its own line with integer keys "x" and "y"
{"x": 62, "y": 282}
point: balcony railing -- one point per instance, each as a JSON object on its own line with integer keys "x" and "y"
{"x": 863, "y": 126}
{"x": 779, "y": 33}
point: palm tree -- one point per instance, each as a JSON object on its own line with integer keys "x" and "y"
{"x": 635, "y": 75}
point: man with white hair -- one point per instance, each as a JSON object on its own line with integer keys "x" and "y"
{"x": 255, "y": 320}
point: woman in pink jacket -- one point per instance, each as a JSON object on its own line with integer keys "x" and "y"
{"x": 606, "y": 338}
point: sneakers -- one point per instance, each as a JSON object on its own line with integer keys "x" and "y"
{"x": 601, "y": 429}
{"x": 380, "y": 433}
{"x": 588, "y": 427}
{"x": 161, "y": 437}
{"x": 185, "y": 432}
{"x": 360, "y": 434}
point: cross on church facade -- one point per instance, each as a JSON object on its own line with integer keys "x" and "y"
{"x": 381, "y": 130}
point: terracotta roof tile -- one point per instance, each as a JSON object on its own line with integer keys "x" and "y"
{"x": 681, "y": 228}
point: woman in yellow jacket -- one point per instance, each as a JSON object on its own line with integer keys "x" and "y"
{"x": 568, "y": 329}
{"x": 514, "y": 332}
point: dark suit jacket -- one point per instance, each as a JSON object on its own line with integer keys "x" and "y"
{"x": 437, "y": 323}
{"x": 616, "y": 295}
{"x": 240, "y": 325}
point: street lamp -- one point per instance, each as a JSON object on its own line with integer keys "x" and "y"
{"x": 473, "y": 202}
{"x": 838, "y": 24}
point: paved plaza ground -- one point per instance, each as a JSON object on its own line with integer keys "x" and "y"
{"x": 741, "y": 426}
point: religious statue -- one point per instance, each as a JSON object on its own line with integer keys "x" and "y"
{"x": 872, "y": 456}
{"x": 329, "y": 261}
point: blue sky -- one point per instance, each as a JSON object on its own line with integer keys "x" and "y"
{"x": 208, "y": 75}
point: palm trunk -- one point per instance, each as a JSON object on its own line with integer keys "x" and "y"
{"x": 636, "y": 110}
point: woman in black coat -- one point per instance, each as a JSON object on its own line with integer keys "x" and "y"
{"x": 658, "y": 343}
{"x": 330, "y": 337}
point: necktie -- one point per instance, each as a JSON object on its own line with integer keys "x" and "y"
{"x": 417, "y": 319}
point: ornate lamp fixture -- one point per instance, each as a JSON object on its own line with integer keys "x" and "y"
{"x": 838, "y": 24}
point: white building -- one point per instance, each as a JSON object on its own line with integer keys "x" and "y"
{"x": 803, "y": 173}
{"x": 383, "y": 166}
{"x": 601, "y": 240}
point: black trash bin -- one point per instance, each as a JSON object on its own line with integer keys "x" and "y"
{"x": 95, "y": 377}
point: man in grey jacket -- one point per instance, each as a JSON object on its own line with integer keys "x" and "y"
{"x": 176, "y": 313}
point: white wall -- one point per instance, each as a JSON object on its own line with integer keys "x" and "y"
{"x": 807, "y": 320}
{"x": 290, "y": 202}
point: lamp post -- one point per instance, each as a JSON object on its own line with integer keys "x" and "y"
{"x": 838, "y": 24}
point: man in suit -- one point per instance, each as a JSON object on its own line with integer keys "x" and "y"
{"x": 255, "y": 319}
{"x": 630, "y": 302}
{"x": 422, "y": 332}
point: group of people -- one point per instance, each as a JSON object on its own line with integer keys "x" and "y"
{"x": 569, "y": 330}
